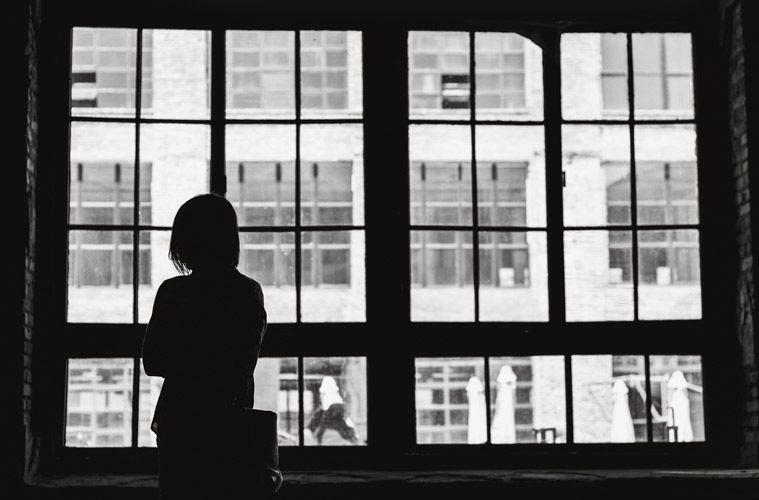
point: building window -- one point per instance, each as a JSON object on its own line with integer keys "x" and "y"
{"x": 662, "y": 65}
{"x": 103, "y": 69}
{"x": 439, "y": 71}
{"x": 667, "y": 195}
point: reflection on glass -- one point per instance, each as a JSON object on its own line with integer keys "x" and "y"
{"x": 261, "y": 174}
{"x": 609, "y": 399}
{"x": 260, "y": 73}
{"x": 331, "y": 73}
{"x": 100, "y": 277}
{"x": 596, "y": 165}
{"x": 269, "y": 258}
{"x": 669, "y": 275}
{"x": 598, "y": 275}
{"x": 438, "y": 65}
{"x": 450, "y": 401}
{"x": 509, "y": 73}
{"x": 666, "y": 174}
{"x": 594, "y": 76}
{"x": 331, "y": 175}
{"x": 333, "y": 276}
{"x": 179, "y": 85}
{"x": 527, "y": 400}
{"x": 155, "y": 268}
{"x": 335, "y": 401}
{"x": 101, "y": 188}
{"x": 150, "y": 389}
{"x": 178, "y": 157}
{"x": 513, "y": 276}
{"x": 99, "y": 403}
{"x": 103, "y": 71}
{"x": 276, "y": 389}
{"x": 663, "y": 80}
{"x": 677, "y": 393}
{"x": 511, "y": 175}
{"x": 441, "y": 276}
{"x": 440, "y": 174}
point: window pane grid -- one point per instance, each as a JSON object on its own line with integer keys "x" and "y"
{"x": 443, "y": 193}
{"x": 312, "y": 203}
{"x": 655, "y": 198}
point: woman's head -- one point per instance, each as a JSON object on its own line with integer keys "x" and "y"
{"x": 204, "y": 234}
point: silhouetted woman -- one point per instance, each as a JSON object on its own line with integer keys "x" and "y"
{"x": 204, "y": 338}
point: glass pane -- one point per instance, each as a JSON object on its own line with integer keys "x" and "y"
{"x": 609, "y": 399}
{"x": 335, "y": 401}
{"x": 513, "y": 276}
{"x": 440, "y": 159}
{"x": 331, "y": 76}
{"x": 438, "y": 68}
{"x": 509, "y": 72}
{"x": 596, "y": 165}
{"x": 666, "y": 174}
{"x": 677, "y": 393}
{"x": 103, "y": 71}
{"x": 441, "y": 276}
{"x": 260, "y": 74}
{"x": 450, "y": 401}
{"x": 594, "y": 76}
{"x": 99, "y": 403}
{"x": 511, "y": 176}
{"x": 598, "y": 275}
{"x": 176, "y": 73}
{"x": 150, "y": 389}
{"x": 332, "y": 175}
{"x": 100, "y": 277}
{"x": 177, "y": 159}
{"x": 333, "y": 273}
{"x": 276, "y": 389}
{"x": 527, "y": 400}
{"x": 656, "y": 58}
{"x": 155, "y": 268}
{"x": 101, "y": 186}
{"x": 261, "y": 174}
{"x": 269, "y": 258}
{"x": 669, "y": 275}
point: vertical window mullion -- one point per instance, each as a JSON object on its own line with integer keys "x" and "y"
{"x": 136, "y": 234}
{"x": 298, "y": 232}
{"x": 218, "y": 178}
{"x": 633, "y": 177}
{"x": 554, "y": 177}
{"x": 473, "y": 166}
{"x": 648, "y": 403}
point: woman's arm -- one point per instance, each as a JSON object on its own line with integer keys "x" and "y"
{"x": 159, "y": 335}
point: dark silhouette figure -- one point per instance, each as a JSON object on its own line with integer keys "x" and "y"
{"x": 333, "y": 418}
{"x": 204, "y": 338}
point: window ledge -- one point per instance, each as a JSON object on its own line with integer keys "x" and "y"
{"x": 696, "y": 483}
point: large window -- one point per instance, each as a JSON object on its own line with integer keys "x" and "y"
{"x": 495, "y": 240}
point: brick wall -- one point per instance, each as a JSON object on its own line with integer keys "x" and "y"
{"x": 29, "y": 250}
{"x": 746, "y": 302}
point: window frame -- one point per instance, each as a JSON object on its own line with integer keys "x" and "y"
{"x": 391, "y": 364}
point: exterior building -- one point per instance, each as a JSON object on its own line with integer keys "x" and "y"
{"x": 510, "y": 193}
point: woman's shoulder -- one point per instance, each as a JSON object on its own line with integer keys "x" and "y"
{"x": 250, "y": 284}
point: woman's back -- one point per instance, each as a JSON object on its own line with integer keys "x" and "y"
{"x": 204, "y": 337}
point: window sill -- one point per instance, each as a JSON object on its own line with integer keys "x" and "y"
{"x": 690, "y": 483}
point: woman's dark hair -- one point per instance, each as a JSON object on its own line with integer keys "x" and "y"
{"x": 204, "y": 234}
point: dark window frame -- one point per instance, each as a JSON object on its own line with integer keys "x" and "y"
{"x": 387, "y": 366}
